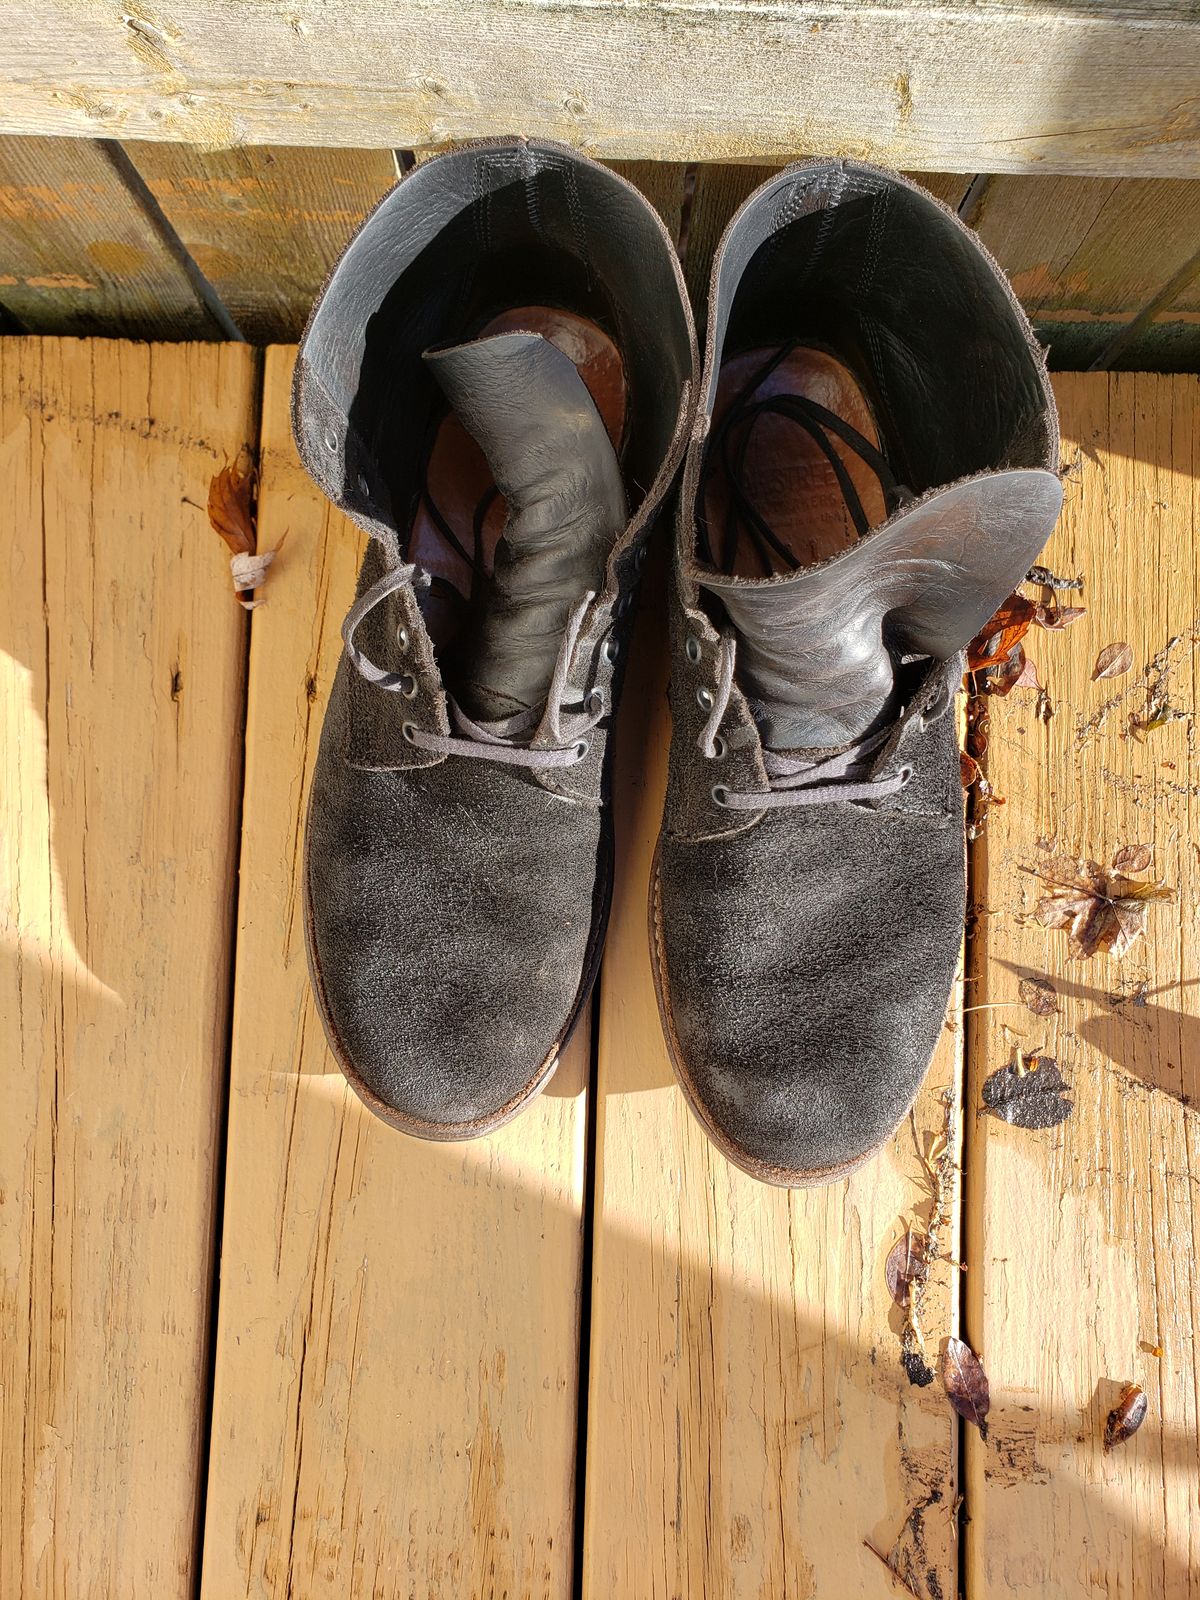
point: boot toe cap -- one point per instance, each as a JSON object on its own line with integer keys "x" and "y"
{"x": 447, "y": 972}
{"x": 804, "y": 992}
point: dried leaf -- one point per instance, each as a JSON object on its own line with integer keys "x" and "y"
{"x": 966, "y": 1383}
{"x": 1126, "y": 1417}
{"x": 1113, "y": 661}
{"x": 231, "y": 505}
{"x": 1104, "y": 911}
{"x": 1058, "y": 617}
{"x": 1028, "y": 1093}
{"x": 968, "y": 769}
{"x": 1132, "y": 858}
{"x": 1027, "y": 678}
{"x": 907, "y": 1263}
{"x": 994, "y": 643}
{"x": 1039, "y": 995}
{"x": 1158, "y": 714}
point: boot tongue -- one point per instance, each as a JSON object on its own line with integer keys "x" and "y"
{"x": 818, "y": 651}
{"x": 528, "y": 409}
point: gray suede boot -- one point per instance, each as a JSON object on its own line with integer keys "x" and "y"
{"x": 874, "y": 467}
{"x": 496, "y": 384}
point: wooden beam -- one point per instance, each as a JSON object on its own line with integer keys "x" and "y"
{"x": 121, "y": 695}
{"x": 1085, "y": 255}
{"x": 1082, "y": 87}
{"x": 264, "y": 225}
{"x": 397, "y": 1362}
{"x": 78, "y": 253}
{"x": 1082, "y": 1238}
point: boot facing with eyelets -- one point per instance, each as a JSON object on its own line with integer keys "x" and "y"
{"x": 874, "y": 468}
{"x": 495, "y": 385}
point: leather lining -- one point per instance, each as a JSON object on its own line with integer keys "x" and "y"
{"x": 785, "y": 474}
{"x": 459, "y": 479}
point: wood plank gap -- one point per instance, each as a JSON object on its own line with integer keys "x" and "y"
{"x": 971, "y": 204}
{"x": 592, "y": 1020}
{"x": 221, "y": 1152}
{"x": 139, "y": 192}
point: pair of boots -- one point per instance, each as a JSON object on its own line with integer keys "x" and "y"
{"x": 499, "y": 384}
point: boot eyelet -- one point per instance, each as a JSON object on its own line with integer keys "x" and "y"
{"x": 608, "y": 651}
{"x": 595, "y": 701}
{"x": 582, "y": 749}
{"x": 330, "y": 440}
{"x": 719, "y": 750}
{"x": 402, "y": 637}
{"x": 693, "y": 649}
{"x": 408, "y": 686}
{"x": 408, "y": 729}
{"x": 905, "y": 775}
{"x": 720, "y": 795}
{"x": 704, "y": 698}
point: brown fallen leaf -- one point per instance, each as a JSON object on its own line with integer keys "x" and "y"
{"x": 232, "y": 510}
{"x": 1126, "y": 1417}
{"x": 1058, "y": 617}
{"x": 907, "y": 1263}
{"x": 994, "y": 643}
{"x": 1132, "y": 858}
{"x": 1113, "y": 661}
{"x": 1104, "y": 911}
{"x": 231, "y": 505}
{"x": 966, "y": 1383}
{"x": 1027, "y": 678}
{"x": 1039, "y": 995}
{"x": 1029, "y": 1093}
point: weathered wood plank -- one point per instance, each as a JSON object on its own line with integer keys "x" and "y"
{"x": 1089, "y": 244}
{"x": 1086, "y": 254}
{"x": 77, "y": 255}
{"x": 265, "y": 225}
{"x": 397, "y": 1349}
{"x": 1082, "y": 1238}
{"x": 121, "y": 666}
{"x": 662, "y": 182}
{"x": 994, "y": 87}
{"x": 750, "y": 1429}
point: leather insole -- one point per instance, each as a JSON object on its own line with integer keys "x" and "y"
{"x": 785, "y": 475}
{"x": 459, "y": 477}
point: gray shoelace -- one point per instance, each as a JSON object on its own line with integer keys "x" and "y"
{"x": 494, "y": 740}
{"x": 821, "y": 780}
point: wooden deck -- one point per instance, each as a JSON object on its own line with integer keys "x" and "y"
{"x": 256, "y": 1344}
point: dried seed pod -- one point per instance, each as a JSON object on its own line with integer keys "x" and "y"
{"x": 1126, "y": 1417}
